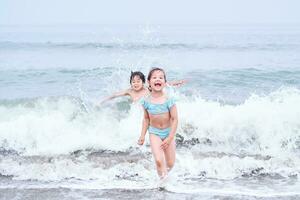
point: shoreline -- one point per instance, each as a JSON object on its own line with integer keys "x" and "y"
{"x": 67, "y": 193}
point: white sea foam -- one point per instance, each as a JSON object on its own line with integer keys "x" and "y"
{"x": 57, "y": 127}
{"x": 258, "y": 137}
{"x": 265, "y": 125}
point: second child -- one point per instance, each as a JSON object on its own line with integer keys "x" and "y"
{"x": 137, "y": 89}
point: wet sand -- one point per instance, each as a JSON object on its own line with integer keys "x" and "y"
{"x": 117, "y": 194}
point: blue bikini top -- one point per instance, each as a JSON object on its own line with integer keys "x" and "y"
{"x": 155, "y": 109}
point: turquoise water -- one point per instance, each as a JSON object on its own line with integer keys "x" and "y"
{"x": 228, "y": 86}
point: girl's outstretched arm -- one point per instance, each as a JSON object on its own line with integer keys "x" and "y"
{"x": 145, "y": 126}
{"x": 177, "y": 83}
{"x": 117, "y": 94}
{"x": 174, "y": 123}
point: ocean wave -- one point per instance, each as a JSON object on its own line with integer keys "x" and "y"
{"x": 137, "y": 166}
{"x": 37, "y": 126}
{"x": 61, "y": 139}
{"x": 6, "y": 45}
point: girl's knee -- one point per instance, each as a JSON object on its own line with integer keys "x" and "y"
{"x": 159, "y": 163}
{"x": 170, "y": 164}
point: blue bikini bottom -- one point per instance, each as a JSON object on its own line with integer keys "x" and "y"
{"x": 162, "y": 133}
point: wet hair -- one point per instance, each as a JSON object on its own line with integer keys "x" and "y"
{"x": 156, "y": 69}
{"x": 139, "y": 74}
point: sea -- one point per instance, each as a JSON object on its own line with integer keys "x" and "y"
{"x": 238, "y": 135}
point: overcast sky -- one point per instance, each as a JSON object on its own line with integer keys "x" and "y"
{"x": 43, "y": 12}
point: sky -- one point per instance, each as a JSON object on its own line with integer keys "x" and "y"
{"x": 47, "y": 12}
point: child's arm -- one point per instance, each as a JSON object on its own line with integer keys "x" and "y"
{"x": 176, "y": 83}
{"x": 117, "y": 94}
{"x": 145, "y": 126}
{"x": 174, "y": 123}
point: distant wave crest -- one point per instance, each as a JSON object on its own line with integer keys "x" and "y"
{"x": 6, "y": 45}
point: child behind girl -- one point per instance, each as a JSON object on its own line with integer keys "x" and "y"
{"x": 137, "y": 89}
{"x": 160, "y": 119}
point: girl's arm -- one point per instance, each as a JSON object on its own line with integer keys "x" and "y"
{"x": 176, "y": 83}
{"x": 145, "y": 126}
{"x": 174, "y": 123}
{"x": 117, "y": 94}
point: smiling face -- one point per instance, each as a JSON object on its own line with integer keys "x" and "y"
{"x": 157, "y": 80}
{"x": 137, "y": 83}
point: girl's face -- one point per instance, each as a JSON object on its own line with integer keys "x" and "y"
{"x": 137, "y": 83}
{"x": 157, "y": 81}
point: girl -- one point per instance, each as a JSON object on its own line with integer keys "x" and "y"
{"x": 160, "y": 118}
{"x": 137, "y": 90}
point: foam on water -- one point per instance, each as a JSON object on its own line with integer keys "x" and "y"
{"x": 44, "y": 138}
{"x": 49, "y": 127}
{"x": 264, "y": 125}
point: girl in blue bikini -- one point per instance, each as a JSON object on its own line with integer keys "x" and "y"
{"x": 160, "y": 119}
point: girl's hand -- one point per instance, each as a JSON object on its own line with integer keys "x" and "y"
{"x": 177, "y": 83}
{"x": 166, "y": 143}
{"x": 141, "y": 140}
{"x": 181, "y": 82}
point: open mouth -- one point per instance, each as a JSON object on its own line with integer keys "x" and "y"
{"x": 157, "y": 84}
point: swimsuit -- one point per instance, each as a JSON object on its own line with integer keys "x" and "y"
{"x": 162, "y": 133}
{"x": 156, "y": 109}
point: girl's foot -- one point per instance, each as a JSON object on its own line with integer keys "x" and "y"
{"x": 163, "y": 182}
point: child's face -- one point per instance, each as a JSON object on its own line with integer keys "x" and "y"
{"x": 157, "y": 81}
{"x": 137, "y": 83}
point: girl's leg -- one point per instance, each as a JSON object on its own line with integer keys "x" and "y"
{"x": 170, "y": 155}
{"x": 158, "y": 155}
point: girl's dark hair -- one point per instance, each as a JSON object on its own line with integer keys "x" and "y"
{"x": 156, "y": 69}
{"x": 139, "y": 74}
